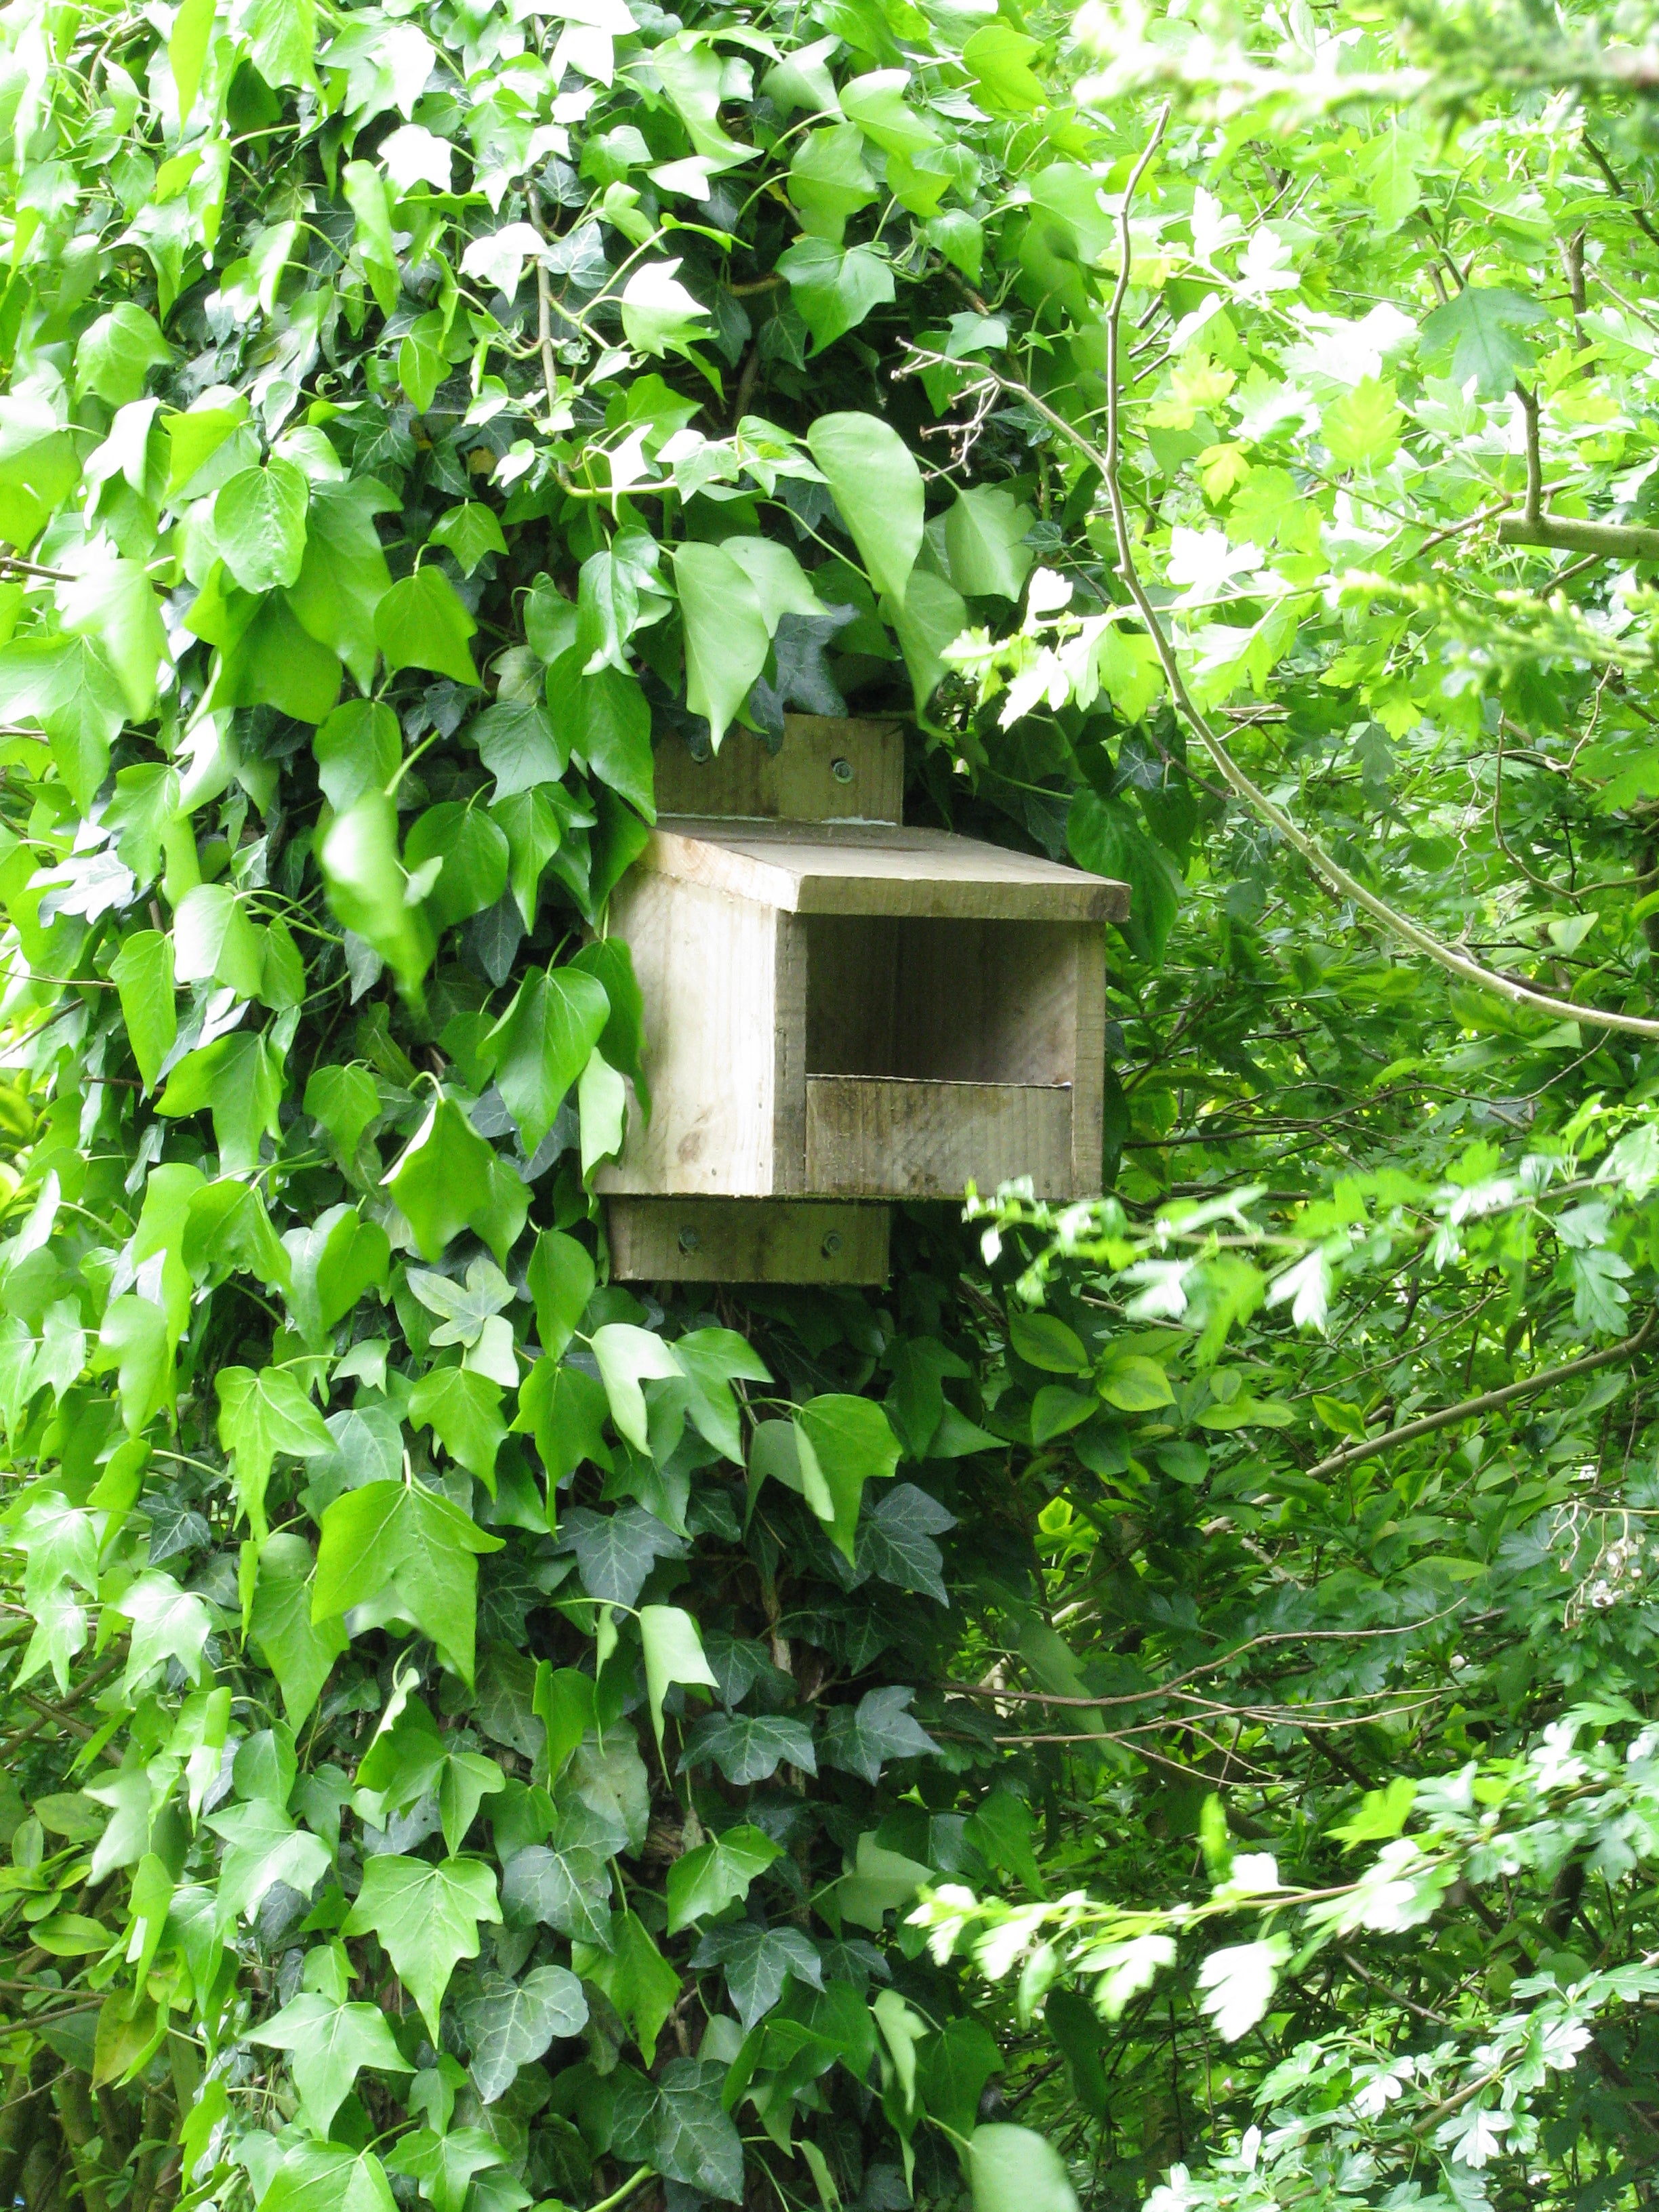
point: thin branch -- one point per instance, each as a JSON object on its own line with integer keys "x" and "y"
{"x": 1638, "y": 215}
{"x": 1489, "y": 1402}
{"x": 1532, "y": 527}
{"x": 545, "y": 310}
{"x": 1335, "y": 875}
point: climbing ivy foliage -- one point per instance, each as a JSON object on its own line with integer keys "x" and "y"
{"x": 465, "y": 1717}
{"x": 1157, "y": 1700}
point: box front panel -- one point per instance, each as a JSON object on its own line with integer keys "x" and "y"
{"x": 882, "y": 1136}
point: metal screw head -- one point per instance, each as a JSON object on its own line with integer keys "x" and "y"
{"x": 831, "y": 1244}
{"x": 841, "y": 768}
{"x": 690, "y": 1240}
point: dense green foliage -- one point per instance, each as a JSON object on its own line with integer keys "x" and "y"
{"x": 1167, "y": 1684}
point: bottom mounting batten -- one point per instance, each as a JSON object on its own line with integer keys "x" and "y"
{"x": 746, "y": 1240}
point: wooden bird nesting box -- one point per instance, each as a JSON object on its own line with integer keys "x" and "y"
{"x": 842, "y": 1012}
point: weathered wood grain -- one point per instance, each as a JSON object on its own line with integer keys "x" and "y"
{"x": 708, "y": 1239}
{"x": 884, "y": 1137}
{"x": 825, "y": 771}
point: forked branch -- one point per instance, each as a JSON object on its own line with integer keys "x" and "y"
{"x": 1619, "y": 541}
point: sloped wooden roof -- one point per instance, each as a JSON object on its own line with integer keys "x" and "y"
{"x": 876, "y": 868}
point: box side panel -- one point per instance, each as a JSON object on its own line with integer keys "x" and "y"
{"x": 743, "y": 1240}
{"x": 705, "y": 963}
{"x": 870, "y": 1137}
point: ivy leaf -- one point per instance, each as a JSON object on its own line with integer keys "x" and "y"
{"x": 615, "y": 1551}
{"x": 168, "y": 1623}
{"x": 367, "y": 888}
{"x": 238, "y": 1079}
{"x": 952, "y": 2069}
{"x": 896, "y": 1541}
{"x": 264, "y": 1846}
{"x": 299, "y": 1653}
{"x": 756, "y": 1961}
{"x": 679, "y": 2127}
{"x": 357, "y": 750}
{"x": 335, "y": 1263}
{"x": 564, "y": 1410}
{"x": 407, "y": 1536}
{"x": 880, "y": 1729}
{"x": 470, "y": 531}
{"x": 472, "y": 855}
{"x": 567, "y": 1887}
{"x": 704, "y": 1881}
{"x": 134, "y": 1341}
{"x": 462, "y": 1409}
{"x": 984, "y": 542}
{"x": 343, "y": 1101}
{"x": 420, "y": 623}
{"x": 259, "y": 525}
{"x": 844, "y": 1443}
{"x": 517, "y": 743}
{"x": 835, "y": 289}
{"x": 605, "y": 719}
{"x": 561, "y": 1279}
{"x": 69, "y": 686}
{"x": 635, "y": 1976}
{"x": 749, "y": 1747}
{"x": 329, "y": 2042}
{"x": 321, "y": 2177}
{"x": 803, "y": 678}
{"x": 602, "y": 1111}
{"x": 628, "y": 1357}
{"x": 444, "y": 2164}
{"x": 673, "y": 1653}
{"x": 727, "y": 637}
{"x": 711, "y": 1358}
{"x": 828, "y": 181}
{"x": 259, "y": 1415}
{"x": 113, "y": 601}
{"x": 878, "y": 488}
{"x": 606, "y": 1781}
{"x": 116, "y": 352}
{"x": 1014, "y": 2169}
{"x": 509, "y": 2023}
{"x": 542, "y": 1044}
{"x": 344, "y": 576}
{"x": 659, "y": 315}
{"x": 427, "y": 1917}
{"x": 448, "y": 1179}
{"x": 999, "y": 1829}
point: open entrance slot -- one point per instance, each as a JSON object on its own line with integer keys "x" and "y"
{"x": 941, "y": 1001}
{"x": 939, "y": 1053}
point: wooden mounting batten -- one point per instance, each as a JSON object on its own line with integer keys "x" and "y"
{"x": 841, "y": 1011}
